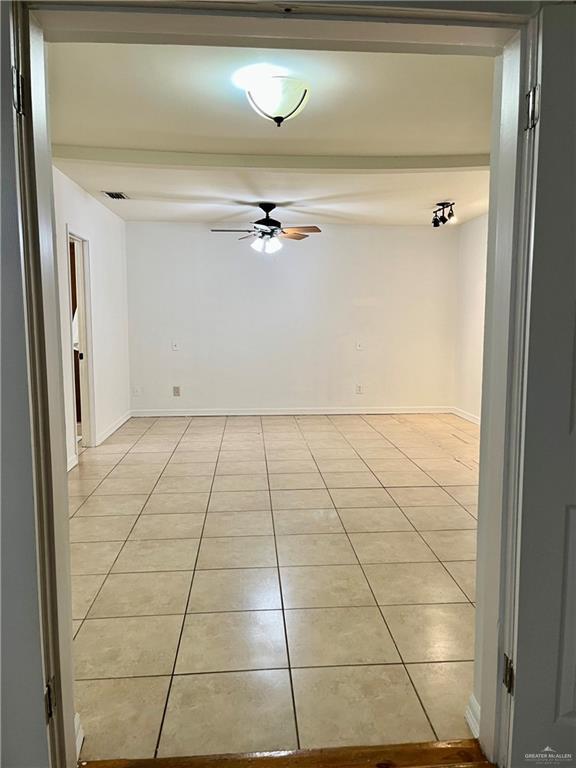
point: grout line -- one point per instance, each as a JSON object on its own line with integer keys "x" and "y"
{"x": 281, "y": 589}
{"x": 189, "y": 595}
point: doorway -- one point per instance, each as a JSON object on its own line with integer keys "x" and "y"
{"x": 81, "y": 405}
{"x": 498, "y": 246}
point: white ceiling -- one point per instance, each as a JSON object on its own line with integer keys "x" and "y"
{"x": 181, "y": 98}
{"x": 142, "y": 118}
{"x": 228, "y": 196}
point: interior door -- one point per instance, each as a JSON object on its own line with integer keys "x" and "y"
{"x": 544, "y": 694}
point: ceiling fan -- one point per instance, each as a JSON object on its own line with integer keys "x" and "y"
{"x": 268, "y": 231}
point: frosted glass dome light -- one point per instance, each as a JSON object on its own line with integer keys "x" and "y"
{"x": 272, "y": 92}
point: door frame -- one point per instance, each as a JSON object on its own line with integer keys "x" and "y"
{"x": 82, "y": 256}
{"x": 451, "y": 31}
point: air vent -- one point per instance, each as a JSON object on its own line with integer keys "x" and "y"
{"x": 116, "y": 195}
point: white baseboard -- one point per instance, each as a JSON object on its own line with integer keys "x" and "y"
{"x": 72, "y": 462}
{"x": 465, "y": 415}
{"x": 298, "y": 411}
{"x": 101, "y": 436}
{"x": 472, "y": 715}
{"x": 79, "y": 731}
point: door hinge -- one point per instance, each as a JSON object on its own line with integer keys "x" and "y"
{"x": 17, "y": 91}
{"x": 508, "y": 677}
{"x": 532, "y": 107}
{"x": 49, "y": 699}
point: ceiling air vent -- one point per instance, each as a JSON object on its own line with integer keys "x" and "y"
{"x": 116, "y": 195}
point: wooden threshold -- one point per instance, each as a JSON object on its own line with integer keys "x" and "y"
{"x": 465, "y": 753}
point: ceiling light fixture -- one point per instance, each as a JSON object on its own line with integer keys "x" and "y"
{"x": 266, "y": 244}
{"x": 272, "y": 92}
{"x": 439, "y": 216}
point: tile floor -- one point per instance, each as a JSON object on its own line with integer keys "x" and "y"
{"x": 262, "y": 583}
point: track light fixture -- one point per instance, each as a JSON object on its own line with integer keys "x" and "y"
{"x": 440, "y": 216}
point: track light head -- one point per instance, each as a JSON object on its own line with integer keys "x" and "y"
{"x": 439, "y": 216}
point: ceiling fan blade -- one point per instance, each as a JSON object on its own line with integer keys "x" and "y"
{"x": 302, "y": 229}
{"x": 246, "y": 237}
{"x": 230, "y": 230}
{"x": 293, "y": 235}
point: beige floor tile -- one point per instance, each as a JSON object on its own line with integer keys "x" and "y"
{"x": 465, "y": 575}
{"x": 420, "y": 497}
{"x": 315, "y": 549}
{"x": 229, "y": 712}
{"x": 74, "y": 503}
{"x": 134, "y": 471}
{"x": 76, "y": 624}
{"x": 325, "y": 586}
{"x": 142, "y": 594}
{"x": 296, "y": 481}
{"x": 168, "y": 527}
{"x": 123, "y": 504}
{"x": 190, "y": 456}
{"x": 220, "y": 524}
{"x": 341, "y": 465}
{"x": 472, "y": 509}
{"x": 350, "y": 480}
{"x": 237, "y": 552}
{"x": 444, "y": 689}
{"x": 84, "y": 590}
{"x": 361, "y": 497}
{"x": 239, "y": 501}
{"x": 432, "y": 632}
{"x": 287, "y": 454}
{"x": 228, "y": 642}
{"x": 335, "y": 453}
{"x": 131, "y": 485}
{"x": 237, "y": 589}
{"x": 127, "y": 647}
{"x": 464, "y": 494}
{"x": 373, "y": 454}
{"x": 186, "y": 484}
{"x": 84, "y": 529}
{"x": 94, "y": 557}
{"x": 121, "y": 718}
{"x": 319, "y": 637}
{"x": 82, "y": 486}
{"x": 304, "y": 499}
{"x": 176, "y": 503}
{"x": 158, "y": 555}
{"x": 157, "y": 458}
{"x": 409, "y": 583}
{"x": 373, "y": 519}
{"x": 190, "y": 469}
{"x": 250, "y": 467}
{"x": 452, "y": 545}
{"x": 439, "y": 518}
{"x": 405, "y": 478}
{"x": 391, "y": 547}
{"x": 342, "y": 706}
{"x": 287, "y": 467}
{"x": 240, "y": 483}
{"x": 307, "y": 521}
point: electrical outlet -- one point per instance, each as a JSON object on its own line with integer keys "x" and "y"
{"x": 359, "y": 346}
{"x": 136, "y": 390}
{"x": 175, "y": 346}
{"x": 175, "y": 391}
{"x": 359, "y": 389}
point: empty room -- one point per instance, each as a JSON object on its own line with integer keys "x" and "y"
{"x": 272, "y": 277}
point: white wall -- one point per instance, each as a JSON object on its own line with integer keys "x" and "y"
{"x": 469, "y": 324}
{"x": 86, "y": 218}
{"x": 260, "y": 333}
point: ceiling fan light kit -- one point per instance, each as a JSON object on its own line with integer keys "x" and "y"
{"x": 268, "y": 231}
{"x": 439, "y": 216}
